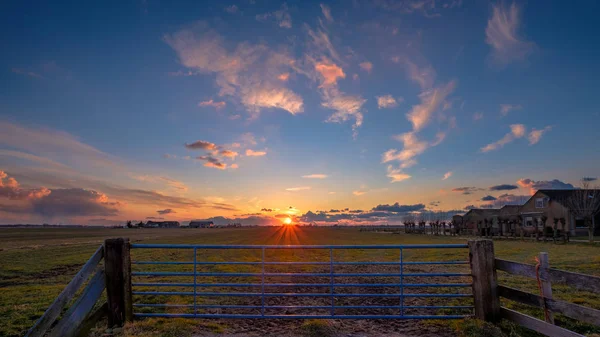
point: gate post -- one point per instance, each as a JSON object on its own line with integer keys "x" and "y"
{"x": 485, "y": 293}
{"x": 117, "y": 269}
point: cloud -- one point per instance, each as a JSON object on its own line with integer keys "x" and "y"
{"x": 326, "y": 13}
{"x": 266, "y": 210}
{"x": 516, "y": 131}
{"x": 296, "y": 189}
{"x": 11, "y": 189}
{"x": 315, "y": 176}
{"x": 506, "y": 199}
{"x": 231, "y": 9}
{"x": 330, "y": 72}
{"x": 211, "y": 103}
{"x": 327, "y": 72}
{"x": 396, "y": 174}
{"x": 488, "y": 198}
{"x": 412, "y": 148}
{"x": 176, "y": 184}
{"x": 154, "y": 218}
{"x": 447, "y": 175}
{"x": 503, "y": 187}
{"x": 431, "y": 100}
{"x": 397, "y": 208}
{"x": 252, "y": 153}
{"x": 388, "y": 101}
{"x": 535, "y": 135}
{"x": 228, "y": 153}
{"x": 533, "y": 185}
{"x": 477, "y": 116}
{"x": 248, "y": 73}
{"x": 201, "y": 145}
{"x": 283, "y": 77}
{"x": 502, "y": 34}
{"x": 358, "y": 193}
{"x": 213, "y": 162}
{"x": 589, "y": 179}
{"x": 282, "y": 16}
{"x": 506, "y": 108}
{"x": 428, "y": 8}
{"x": 466, "y": 190}
{"x": 424, "y": 76}
{"x": 26, "y": 73}
{"x": 366, "y": 66}
{"x": 54, "y": 144}
{"x": 74, "y": 202}
{"x": 165, "y": 211}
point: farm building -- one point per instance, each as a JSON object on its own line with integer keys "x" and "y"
{"x": 201, "y": 224}
{"x": 474, "y": 218}
{"x": 161, "y": 224}
{"x": 553, "y": 205}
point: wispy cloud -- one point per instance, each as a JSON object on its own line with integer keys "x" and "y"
{"x": 211, "y": 103}
{"x": 248, "y": 73}
{"x": 447, "y": 175}
{"x": 282, "y": 16}
{"x": 173, "y": 183}
{"x": 232, "y": 9}
{"x": 330, "y": 73}
{"x": 503, "y": 187}
{"x": 315, "y": 176}
{"x": 358, "y": 193}
{"x": 506, "y": 108}
{"x": 431, "y": 100}
{"x": 26, "y": 73}
{"x": 296, "y": 189}
{"x": 252, "y": 153}
{"x": 228, "y": 153}
{"x": 366, "y": 66}
{"x": 516, "y": 131}
{"x": 388, "y": 101}
{"x": 536, "y": 135}
{"x": 396, "y": 174}
{"x": 326, "y": 12}
{"x": 477, "y": 116}
{"x": 502, "y": 34}
{"x": 165, "y": 211}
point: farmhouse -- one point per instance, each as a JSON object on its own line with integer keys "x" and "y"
{"x": 161, "y": 224}
{"x": 202, "y": 224}
{"x": 552, "y": 205}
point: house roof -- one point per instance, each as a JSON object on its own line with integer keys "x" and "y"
{"x": 557, "y": 194}
{"x": 483, "y": 211}
{"x": 510, "y": 209}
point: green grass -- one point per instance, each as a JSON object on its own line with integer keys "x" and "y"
{"x": 36, "y": 264}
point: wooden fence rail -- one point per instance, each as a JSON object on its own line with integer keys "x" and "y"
{"x": 547, "y": 276}
{"x": 44, "y": 323}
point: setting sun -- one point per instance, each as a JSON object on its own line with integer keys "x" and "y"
{"x": 287, "y": 221}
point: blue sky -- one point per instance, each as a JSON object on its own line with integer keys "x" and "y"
{"x": 380, "y": 99}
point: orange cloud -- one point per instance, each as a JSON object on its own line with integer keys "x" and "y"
{"x": 366, "y": 66}
{"x": 216, "y": 105}
{"x": 330, "y": 73}
{"x": 252, "y": 153}
{"x": 284, "y": 77}
{"x": 228, "y": 153}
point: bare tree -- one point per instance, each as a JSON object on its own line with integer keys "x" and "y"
{"x": 584, "y": 203}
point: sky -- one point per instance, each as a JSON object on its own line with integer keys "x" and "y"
{"x": 328, "y": 112}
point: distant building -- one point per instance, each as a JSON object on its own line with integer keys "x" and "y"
{"x": 162, "y": 224}
{"x": 202, "y": 224}
{"x": 475, "y": 219}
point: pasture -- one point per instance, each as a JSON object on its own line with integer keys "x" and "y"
{"x": 36, "y": 264}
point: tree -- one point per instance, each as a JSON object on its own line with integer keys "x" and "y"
{"x": 584, "y": 203}
{"x": 129, "y": 225}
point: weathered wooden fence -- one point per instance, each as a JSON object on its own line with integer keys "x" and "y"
{"x": 487, "y": 292}
{"x": 81, "y": 316}
{"x": 115, "y": 277}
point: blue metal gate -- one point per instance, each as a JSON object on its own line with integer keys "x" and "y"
{"x": 190, "y": 280}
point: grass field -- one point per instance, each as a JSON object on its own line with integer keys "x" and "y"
{"x": 36, "y": 264}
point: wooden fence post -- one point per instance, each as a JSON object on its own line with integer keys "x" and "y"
{"x": 117, "y": 268}
{"x": 485, "y": 292}
{"x": 546, "y": 284}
